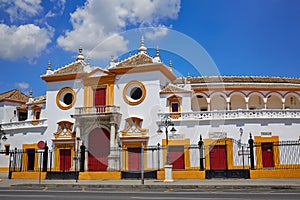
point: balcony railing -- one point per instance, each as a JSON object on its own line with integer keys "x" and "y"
{"x": 41, "y": 123}
{"x": 96, "y": 110}
{"x": 235, "y": 114}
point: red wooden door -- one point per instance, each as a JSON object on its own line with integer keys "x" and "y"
{"x": 134, "y": 159}
{"x": 99, "y": 149}
{"x": 267, "y": 155}
{"x": 177, "y": 157}
{"x": 218, "y": 158}
{"x": 65, "y": 159}
{"x": 100, "y": 98}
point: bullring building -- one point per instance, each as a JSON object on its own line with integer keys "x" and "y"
{"x": 102, "y": 122}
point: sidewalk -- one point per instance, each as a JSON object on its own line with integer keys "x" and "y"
{"x": 154, "y": 184}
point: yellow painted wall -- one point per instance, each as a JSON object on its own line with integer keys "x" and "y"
{"x": 291, "y": 173}
{"x": 29, "y": 175}
{"x": 99, "y": 175}
{"x": 183, "y": 175}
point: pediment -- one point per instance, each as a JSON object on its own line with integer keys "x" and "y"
{"x": 99, "y": 72}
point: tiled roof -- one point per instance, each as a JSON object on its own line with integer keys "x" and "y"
{"x": 239, "y": 79}
{"x": 173, "y": 88}
{"x": 136, "y": 59}
{"x": 71, "y": 68}
{"x": 15, "y": 95}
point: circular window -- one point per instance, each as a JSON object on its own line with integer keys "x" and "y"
{"x": 134, "y": 92}
{"x": 65, "y": 98}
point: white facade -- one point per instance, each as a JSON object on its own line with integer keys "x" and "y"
{"x": 139, "y": 92}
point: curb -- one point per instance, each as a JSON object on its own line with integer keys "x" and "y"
{"x": 156, "y": 187}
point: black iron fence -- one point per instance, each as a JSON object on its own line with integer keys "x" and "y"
{"x": 201, "y": 156}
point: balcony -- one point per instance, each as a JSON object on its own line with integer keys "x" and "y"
{"x": 235, "y": 114}
{"x": 97, "y": 110}
{"x": 28, "y": 124}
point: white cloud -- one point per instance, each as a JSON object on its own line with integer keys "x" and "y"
{"x": 21, "y": 9}
{"x": 157, "y": 32}
{"x": 23, "y": 41}
{"x": 58, "y": 8}
{"x": 22, "y": 85}
{"x": 97, "y": 20}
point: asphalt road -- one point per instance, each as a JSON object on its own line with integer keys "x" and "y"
{"x": 112, "y": 194}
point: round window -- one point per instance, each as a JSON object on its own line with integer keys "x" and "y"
{"x": 134, "y": 92}
{"x": 65, "y": 98}
{"x": 68, "y": 99}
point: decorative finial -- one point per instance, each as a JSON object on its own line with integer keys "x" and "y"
{"x": 188, "y": 78}
{"x": 171, "y": 65}
{"x": 30, "y": 93}
{"x": 142, "y": 48}
{"x": 157, "y": 52}
{"x": 49, "y": 65}
{"x": 80, "y": 54}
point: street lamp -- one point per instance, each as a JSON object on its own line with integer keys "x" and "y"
{"x": 2, "y": 134}
{"x": 166, "y": 122}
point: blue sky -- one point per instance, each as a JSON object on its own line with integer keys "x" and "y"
{"x": 250, "y": 37}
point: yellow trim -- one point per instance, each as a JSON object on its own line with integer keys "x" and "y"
{"x": 145, "y": 68}
{"x": 60, "y": 146}
{"x": 229, "y": 151}
{"x": 258, "y": 150}
{"x": 4, "y": 169}
{"x": 174, "y": 99}
{"x": 128, "y": 145}
{"x": 29, "y": 175}
{"x": 137, "y": 124}
{"x": 184, "y": 143}
{"x": 25, "y": 155}
{"x": 100, "y": 176}
{"x": 143, "y": 88}
{"x": 60, "y": 92}
{"x": 5, "y": 146}
{"x": 62, "y": 77}
{"x": 287, "y": 173}
{"x": 182, "y": 175}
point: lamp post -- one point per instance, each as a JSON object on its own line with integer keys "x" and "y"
{"x": 166, "y": 122}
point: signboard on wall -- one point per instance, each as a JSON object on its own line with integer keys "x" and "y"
{"x": 217, "y": 135}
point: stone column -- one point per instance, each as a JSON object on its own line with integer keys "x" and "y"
{"x": 247, "y": 103}
{"x": 228, "y": 103}
{"x": 283, "y": 103}
{"x": 265, "y": 102}
{"x": 113, "y": 158}
{"x": 208, "y": 104}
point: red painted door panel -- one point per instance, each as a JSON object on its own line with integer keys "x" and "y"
{"x": 134, "y": 159}
{"x": 218, "y": 158}
{"x": 267, "y": 155}
{"x": 177, "y": 157}
{"x": 99, "y": 149}
{"x": 65, "y": 159}
{"x": 100, "y": 98}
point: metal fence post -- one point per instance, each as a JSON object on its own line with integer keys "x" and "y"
{"x": 251, "y": 146}
{"x": 82, "y": 157}
{"x": 45, "y": 158}
{"x": 158, "y": 159}
{"x": 200, "y": 144}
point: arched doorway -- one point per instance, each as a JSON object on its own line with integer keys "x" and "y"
{"x": 99, "y": 149}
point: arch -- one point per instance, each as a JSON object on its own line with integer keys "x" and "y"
{"x": 274, "y": 101}
{"x": 237, "y": 101}
{"x": 218, "y": 101}
{"x": 256, "y": 100}
{"x": 292, "y": 100}
{"x": 199, "y": 102}
{"x": 291, "y": 93}
{"x": 99, "y": 149}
